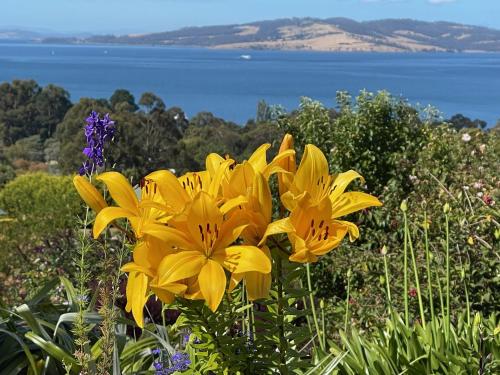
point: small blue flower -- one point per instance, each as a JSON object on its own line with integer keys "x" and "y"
{"x": 156, "y": 351}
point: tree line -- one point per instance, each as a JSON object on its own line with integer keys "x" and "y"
{"x": 41, "y": 129}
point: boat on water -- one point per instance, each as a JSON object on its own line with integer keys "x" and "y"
{"x": 246, "y": 57}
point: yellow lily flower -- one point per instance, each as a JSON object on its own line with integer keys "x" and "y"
{"x": 257, "y": 212}
{"x": 288, "y": 164}
{"x": 203, "y": 241}
{"x": 313, "y": 182}
{"x": 147, "y": 255}
{"x": 258, "y": 162}
{"x": 311, "y": 230}
{"x": 149, "y": 210}
{"x": 89, "y": 194}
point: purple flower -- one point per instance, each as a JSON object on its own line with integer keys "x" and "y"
{"x": 158, "y": 367}
{"x": 98, "y": 131}
{"x": 156, "y": 351}
{"x": 178, "y": 362}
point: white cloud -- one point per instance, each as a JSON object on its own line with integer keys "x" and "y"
{"x": 440, "y": 1}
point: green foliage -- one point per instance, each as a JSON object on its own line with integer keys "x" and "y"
{"x": 473, "y": 348}
{"x": 27, "y": 109}
{"x": 36, "y": 243}
{"x": 404, "y": 153}
{"x": 6, "y": 174}
{"x": 36, "y": 337}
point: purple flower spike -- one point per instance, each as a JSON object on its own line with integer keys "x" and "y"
{"x": 97, "y": 132}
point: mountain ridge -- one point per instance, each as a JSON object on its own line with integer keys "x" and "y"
{"x": 330, "y": 34}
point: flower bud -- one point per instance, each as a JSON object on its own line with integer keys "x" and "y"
{"x": 404, "y": 206}
{"x": 384, "y": 250}
{"x": 89, "y": 193}
{"x": 446, "y": 208}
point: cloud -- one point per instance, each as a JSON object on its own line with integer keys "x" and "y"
{"x": 440, "y": 1}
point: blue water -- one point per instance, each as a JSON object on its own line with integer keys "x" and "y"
{"x": 221, "y": 82}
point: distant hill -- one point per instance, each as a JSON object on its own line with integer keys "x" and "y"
{"x": 333, "y": 34}
{"x": 19, "y": 35}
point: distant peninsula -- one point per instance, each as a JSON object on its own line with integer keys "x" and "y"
{"x": 313, "y": 34}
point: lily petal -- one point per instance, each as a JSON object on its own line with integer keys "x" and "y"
{"x": 353, "y": 201}
{"x": 258, "y": 159}
{"x": 170, "y": 189}
{"x": 277, "y": 227}
{"x": 107, "y": 215}
{"x": 212, "y": 280}
{"x": 121, "y": 190}
{"x": 137, "y": 296}
{"x": 134, "y": 267}
{"x": 180, "y": 266}
{"x": 258, "y": 285}
{"x": 342, "y": 181}
{"x": 243, "y": 258}
{"x": 312, "y": 169}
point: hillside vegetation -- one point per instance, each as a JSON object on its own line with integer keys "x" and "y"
{"x": 332, "y": 34}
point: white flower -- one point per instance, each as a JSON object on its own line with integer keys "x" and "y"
{"x": 482, "y": 148}
{"x": 466, "y": 137}
{"x": 480, "y": 194}
{"x": 477, "y": 185}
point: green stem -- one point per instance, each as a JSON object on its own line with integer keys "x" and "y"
{"x": 308, "y": 318}
{"x": 323, "y": 323}
{"x": 347, "y": 300}
{"x": 283, "y": 345}
{"x": 387, "y": 283}
{"x": 428, "y": 261}
{"x": 447, "y": 244}
{"x": 441, "y": 298}
{"x": 405, "y": 271}
{"x": 417, "y": 282}
{"x": 313, "y": 308}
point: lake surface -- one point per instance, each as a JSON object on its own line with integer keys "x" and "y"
{"x": 222, "y": 82}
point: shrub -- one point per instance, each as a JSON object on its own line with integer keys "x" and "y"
{"x": 36, "y": 243}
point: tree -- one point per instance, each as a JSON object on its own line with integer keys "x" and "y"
{"x": 151, "y": 102}
{"x": 26, "y": 109}
{"x": 29, "y": 148}
{"x": 460, "y": 121}
{"x": 123, "y": 101}
{"x": 52, "y": 103}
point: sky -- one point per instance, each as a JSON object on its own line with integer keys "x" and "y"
{"x": 136, "y": 16}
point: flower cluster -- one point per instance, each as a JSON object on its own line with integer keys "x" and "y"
{"x": 179, "y": 362}
{"x": 98, "y": 131}
{"x": 199, "y": 235}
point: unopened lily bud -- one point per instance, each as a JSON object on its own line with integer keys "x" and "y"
{"x": 384, "y": 250}
{"x": 404, "y": 206}
{"x": 89, "y": 193}
{"x": 446, "y": 208}
{"x": 322, "y": 304}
